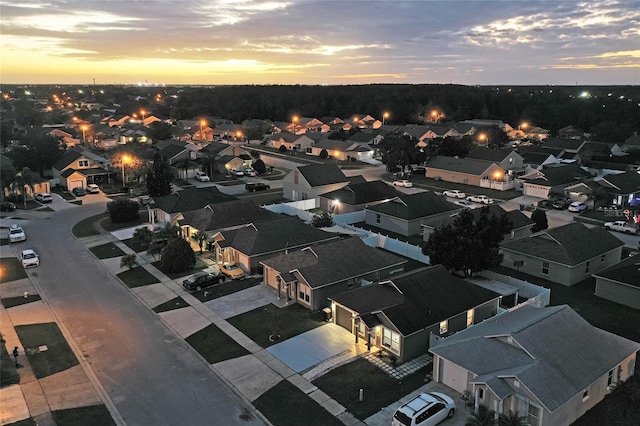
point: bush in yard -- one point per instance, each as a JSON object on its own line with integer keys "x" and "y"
{"x": 324, "y": 154}
{"x": 282, "y": 148}
{"x": 177, "y": 256}
{"x": 121, "y": 211}
{"x": 322, "y": 219}
{"x": 259, "y": 167}
{"x": 143, "y": 236}
{"x": 540, "y": 219}
{"x": 129, "y": 261}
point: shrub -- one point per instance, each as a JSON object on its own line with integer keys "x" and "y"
{"x": 121, "y": 211}
{"x": 282, "y": 148}
{"x": 259, "y": 167}
{"x": 324, "y": 154}
{"x": 177, "y": 256}
{"x": 322, "y": 219}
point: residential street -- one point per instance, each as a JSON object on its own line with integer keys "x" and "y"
{"x": 144, "y": 370}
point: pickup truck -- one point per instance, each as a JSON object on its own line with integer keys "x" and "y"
{"x": 256, "y": 186}
{"x": 621, "y": 226}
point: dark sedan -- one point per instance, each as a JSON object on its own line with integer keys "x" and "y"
{"x": 201, "y": 280}
{"x": 7, "y": 206}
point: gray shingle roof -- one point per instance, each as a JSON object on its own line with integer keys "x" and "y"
{"x": 516, "y": 217}
{"x": 570, "y": 244}
{"x": 627, "y": 183}
{"x": 334, "y": 261}
{"x": 322, "y": 174}
{"x": 627, "y": 271}
{"x": 415, "y": 206}
{"x": 488, "y": 154}
{"x": 362, "y": 193}
{"x": 561, "y": 175}
{"x": 465, "y": 165}
{"x": 190, "y": 199}
{"x": 225, "y": 215}
{"x": 564, "y": 353}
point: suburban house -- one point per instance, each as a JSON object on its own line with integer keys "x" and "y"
{"x": 79, "y": 167}
{"x": 535, "y": 159}
{"x": 624, "y": 188}
{"x": 571, "y": 132}
{"x": 364, "y": 120}
{"x": 223, "y": 157}
{"x": 406, "y": 214}
{"x": 552, "y": 180}
{"x": 169, "y": 208}
{"x": 400, "y": 315}
{"x": 469, "y": 171}
{"x": 548, "y": 364}
{"x": 309, "y": 182}
{"x": 521, "y": 223}
{"x": 313, "y": 274}
{"x": 632, "y": 143}
{"x": 342, "y": 150}
{"x": 357, "y": 196}
{"x": 565, "y": 255}
{"x": 290, "y": 141}
{"x": 621, "y": 282}
{"x": 247, "y": 246}
{"x": 508, "y": 159}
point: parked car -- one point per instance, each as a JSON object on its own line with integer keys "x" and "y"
{"x": 577, "y": 206}
{"x": 256, "y": 186}
{"x": 29, "y": 258}
{"x": 454, "y": 193}
{"x": 237, "y": 172}
{"x": 561, "y": 203}
{"x": 610, "y": 207}
{"x": 426, "y": 409}
{"x": 464, "y": 203}
{"x": 402, "y": 182}
{"x": 545, "y": 204}
{"x": 201, "y": 280}
{"x": 16, "y": 233}
{"x": 482, "y": 199}
{"x": 233, "y": 271}
{"x": 249, "y": 172}
{"x": 202, "y": 176}
{"x": 622, "y": 226}
{"x": 92, "y": 188}
{"x": 7, "y": 206}
{"x": 79, "y": 191}
{"x": 44, "y": 197}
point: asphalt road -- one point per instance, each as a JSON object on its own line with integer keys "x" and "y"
{"x": 151, "y": 376}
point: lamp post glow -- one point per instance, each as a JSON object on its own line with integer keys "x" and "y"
{"x": 294, "y": 120}
{"x": 84, "y": 139}
{"x": 144, "y": 113}
{"x": 483, "y": 137}
{"x": 125, "y": 159}
{"x": 384, "y": 117}
{"x": 202, "y": 123}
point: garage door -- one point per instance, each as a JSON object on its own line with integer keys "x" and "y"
{"x": 535, "y": 191}
{"x": 74, "y": 184}
{"x": 452, "y": 375}
{"x": 343, "y": 318}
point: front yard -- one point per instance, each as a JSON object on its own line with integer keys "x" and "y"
{"x": 46, "y": 348}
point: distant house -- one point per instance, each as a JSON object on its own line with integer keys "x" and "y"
{"x": 548, "y": 364}
{"x": 565, "y": 255}
{"x": 400, "y": 315}
{"x": 571, "y": 132}
{"x": 632, "y": 143}
{"x": 310, "y": 275}
{"x": 406, "y": 214}
{"x": 251, "y": 244}
{"x": 309, "y": 182}
{"x": 624, "y": 188}
{"x": 222, "y": 157}
{"x": 552, "y": 180}
{"x": 469, "y": 171}
{"x": 357, "y": 196}
{"x": 79, "y": 167}
{"x": 620, "y": 283}
{"x": 508, "y": 159}
{"x": 290, "y": 141}
{"x": 169, "y": 208}
{"x": 341, "y": 150}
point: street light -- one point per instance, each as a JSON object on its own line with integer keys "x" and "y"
{"x": 483, "y": 137}
{"x": 84, "y": 139}
{"x": 294, "y": 120}
{"x": 202, "y": 123}
{"x": 384, "y": 117}
{"x": 125, "y": 159}
{"x": 144, "y": 113}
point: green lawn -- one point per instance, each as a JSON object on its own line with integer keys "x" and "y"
{"x": 10, "y": 302}
{"x": 290, "y": 321}
{"x": 94, "y": 415}
{"x": 226, "y": 288}
{"x": 58, "y": 355}
{"x": 108, "y": 225}
{"x": 8, "y": 373}
{"x": 199, "y": 266}
{"x": 215, "y": 345}
{"x": 380, "y": 390}
{"x": 137, "y": 277}
{"x": 284, "y": 405}
{"x": 135, "y": 245}
{"x": 106, "y": 251}
{"x": 170, "y": 305}
{"x": 11, "y": 269}
{"x": 85, "y": 227}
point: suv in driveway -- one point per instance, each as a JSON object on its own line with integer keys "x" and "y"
{"x": 256, "y": 186}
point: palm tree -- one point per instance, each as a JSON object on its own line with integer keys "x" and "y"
{"x": 482, "y": 417}
{"x": 143, "y": 236}
{"x": 512, "y": 419}
{"x": 129, "y": 261}
{"x": 23, "y": 180}
{"x": 200, "y": 237}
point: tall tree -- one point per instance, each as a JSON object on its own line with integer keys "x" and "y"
{"x": 471, "y": 243}
{"x": 23, "y": 181}
{"x": 159, "y": 131}
{"x": 399, "y": 150}
{"x": 540, "y": 219}
{"x": 39, "y": 152}
{"x": 159, "y": 177}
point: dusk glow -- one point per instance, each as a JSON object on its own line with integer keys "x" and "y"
{"x": 320, "y": 42}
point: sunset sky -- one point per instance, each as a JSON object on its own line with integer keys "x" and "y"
{"x": 562, "y": 42}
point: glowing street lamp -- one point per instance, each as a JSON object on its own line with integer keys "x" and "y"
{"x": 144, "y": 113}
{"x": 202, "y": 123}
{"x": 483, "y": 137}
{"x": 84, "y": 139}
{"x": 384, "y": 117}
{"x": 238, "y": 135}
{"x": 294, "y": 121}
{"x": 125, "y": 159}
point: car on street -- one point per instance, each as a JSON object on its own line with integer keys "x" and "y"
{"x": 482, "y": 199}
{"x": 202, "y": 176}
{"x": 232, "y": 270}
{"x": 464, "y": 203}
{"x": 256, "y": 186}
{"x": 201, "y": 280}
{"x": 561, "y": 203}
{"x": 454, "y": 193}
{"x": 44, "y": 197}
{"x": 426, "y": 409}
{"x": 621, "y": 226}
{"x": 577, "y": 206}
{"x": 7, "y": 206}
{"x": 16, "y": 233}
{"x": 92, "y": 188}
{"x": 79, "y": 191}
{"x": 403, "y": 182}
{"x": 29, "y": 258}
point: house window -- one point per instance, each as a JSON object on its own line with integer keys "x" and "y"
{"x": 586, "y": 267}
{"x": 304, "y": 195}
{"x": 309, "y": 150}
{"x": 545, "y": 268}
{"x": 304, "y": 293}
{"x": 443, "y": 326}
{"x": 480, "y": 393}
{"x": 469, "y": 317}
{"x": 610, "y": 378}
{"x": 391, "y": 340}
{"x": 585, "y": 394}
{"x": 377, "y": 218}
{"x": 83, "y": 163}
{"x": 533, "y": 412}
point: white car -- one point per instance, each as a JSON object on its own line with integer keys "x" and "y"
{"x": 44, "y": 197}
{"x": 29, "y": 258}
{"x": 426, "y": 409}
{"x": 16, "y": 233}
{"x": 237, "y": 172}
{"x": 454, "y": 193}
{"x": 402, "y": 182}
{"x": 482, "y": 199}
{"x": 464, "y": 203}
{"x": 577, "y": 206}
{"x": 249, "y": 172}
{"x": 202, "y": 176}
{"x": 92, "y": 188}
{"x": 621, "y": 226}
